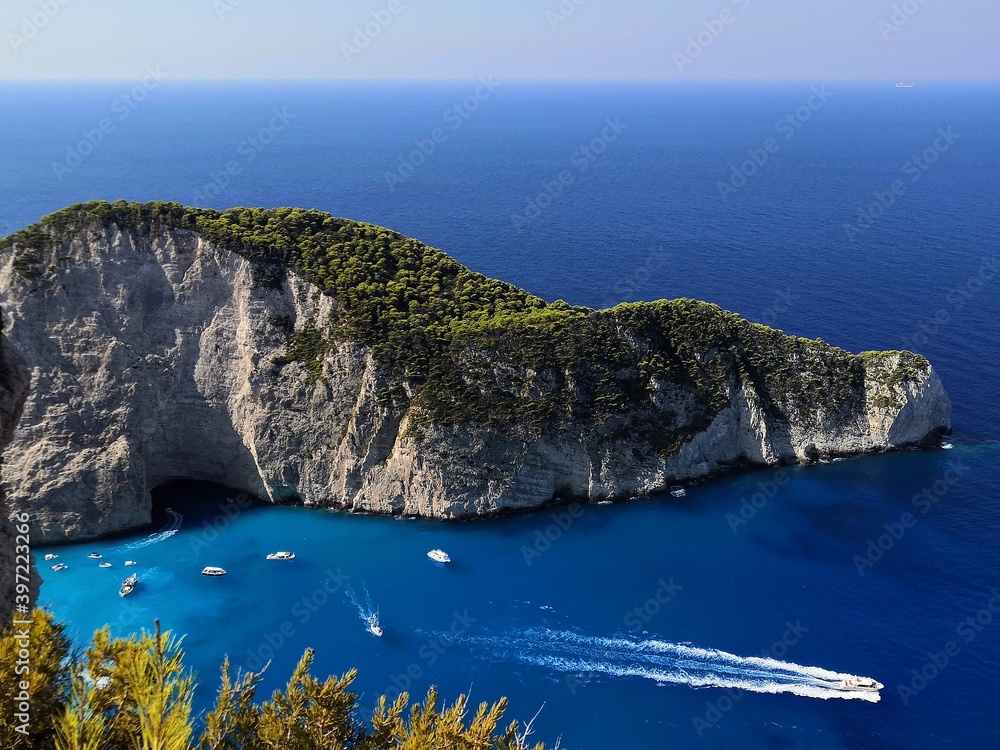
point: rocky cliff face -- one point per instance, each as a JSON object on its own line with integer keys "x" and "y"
{"x": 153, "y": 357}
{"x": 13, "y": 390}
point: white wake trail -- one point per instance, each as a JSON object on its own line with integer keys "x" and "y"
{"x": 172, "y": 527}
{"x": 665, "y": 662}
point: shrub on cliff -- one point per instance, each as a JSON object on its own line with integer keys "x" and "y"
{"x": 129, "y": 693}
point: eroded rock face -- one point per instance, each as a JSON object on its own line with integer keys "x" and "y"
{"x": 151, "y": 359}
{"x": 13, "y": 390}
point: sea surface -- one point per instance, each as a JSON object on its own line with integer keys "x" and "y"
{"x": 865, "y": 215}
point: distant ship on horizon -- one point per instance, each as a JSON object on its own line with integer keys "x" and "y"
{"x": 904, "y": 85}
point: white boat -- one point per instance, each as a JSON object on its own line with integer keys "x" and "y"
{"x": 104, "y": 565}
{"x": 210, "y": 571}
{"x": 373, "y": 626}
{"x": 678, "y": 491}
{"x": 862, "y": 684}
{"x": 904, "y": 85}
{"x": 947, "y": 445}
{"x": 281, "y": 556}
{"x": 59, "y": 567}
{"x": 95, "y": 556}
{"x": 129, "y": 563}
{"x": 128, "y": 586}
{"x": 439, "y": 555}
{"x": 50, "y": 556}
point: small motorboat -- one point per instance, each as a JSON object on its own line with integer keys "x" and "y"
{"x": 128, "y": 586}
{"x": 439, "y": 555}
{"x": 678, "y": 491}
{"x": 59, "y": 567}
{"x": 210, "y": 571}
{"x": 50, "y": 556}
{"x": 95, "y": 555}
{"x": 104, "y": 565}
{"x": 863, "y": 684}
{"x": 373, "y": 625}
{"x": 130, "y": 563}
{"x": 947, "y": 445}
{"x": 281, "y": 556}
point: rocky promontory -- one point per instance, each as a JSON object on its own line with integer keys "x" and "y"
{"x": 305, "y": 358}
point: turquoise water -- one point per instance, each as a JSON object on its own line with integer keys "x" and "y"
{"x": 645, "y": 220}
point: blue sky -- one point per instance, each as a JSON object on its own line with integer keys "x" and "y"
{"x": 510, "y": 39}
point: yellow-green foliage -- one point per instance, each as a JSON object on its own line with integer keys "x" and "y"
{"x": 135, "y": 694}
{"x": 46, "y": 678}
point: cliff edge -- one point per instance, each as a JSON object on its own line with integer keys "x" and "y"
{"x": 13, "y": 391}
{"x": 300, "y": 357}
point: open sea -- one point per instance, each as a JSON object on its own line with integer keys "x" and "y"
{"x": 865, "y": 215}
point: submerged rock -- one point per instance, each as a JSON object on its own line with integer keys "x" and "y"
{"x": 303, "y": 358}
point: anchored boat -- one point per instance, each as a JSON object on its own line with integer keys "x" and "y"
{"x": 210, "y": 571}
{"x": 281, "y": 556}
{"x": 439, "y": 555}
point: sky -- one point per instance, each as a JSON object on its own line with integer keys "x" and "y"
{"x": 675, "y": 40}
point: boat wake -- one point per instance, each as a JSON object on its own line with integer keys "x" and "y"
{"x": 366, "y": 610}
{"x": 172, "y": 527}
{"x": 665, "y": 662}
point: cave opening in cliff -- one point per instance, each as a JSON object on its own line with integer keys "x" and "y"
{"x": 195, "y": 503}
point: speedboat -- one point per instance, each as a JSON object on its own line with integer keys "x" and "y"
{"x": 128, "y": 586}
{"x": 210, "y": 571}
{"x": 50, "y": 556}
{"x": 281, "y": 556}
{"x": 59, "y": 567}
{"x": 947, "y": 445}
{"x": 678, "y": 491}
{"x": 373, "y": 627}
{"x": 95, "y": 555}
{"x": 104, "y": 565}
{"x": 439, "y": 555}
{"x": 862, "y": 684}
{"x": 129, "y": 563}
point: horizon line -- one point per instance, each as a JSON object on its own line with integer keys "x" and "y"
{"x": 514, "y": 80}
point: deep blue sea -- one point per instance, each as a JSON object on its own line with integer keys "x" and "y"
{"x": 865, "y": 215}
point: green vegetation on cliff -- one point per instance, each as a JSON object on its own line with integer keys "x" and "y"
{"x": 126, "y": 693}
{"x": 473, "y": 349}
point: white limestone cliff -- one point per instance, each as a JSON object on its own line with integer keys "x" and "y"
{"x": 151, "y": 360}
